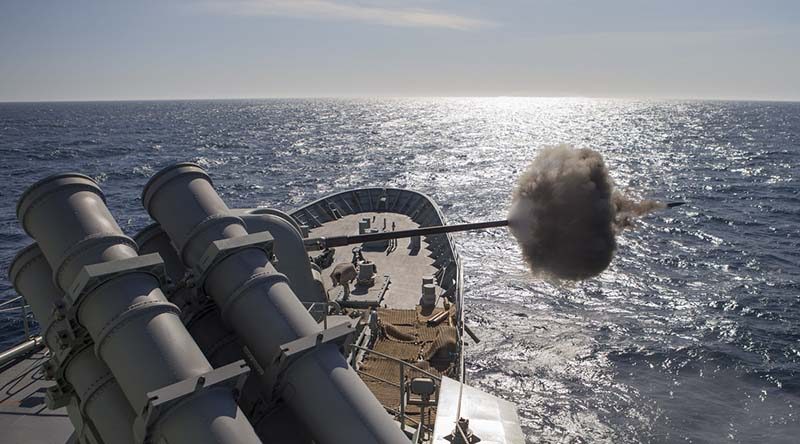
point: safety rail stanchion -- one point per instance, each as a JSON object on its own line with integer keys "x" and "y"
{"x": 403, "y": 397}
{"x": 24, "y": 308}
{"x": 7, "y": 307}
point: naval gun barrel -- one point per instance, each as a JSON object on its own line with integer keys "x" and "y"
{"x": 320, "y": 243}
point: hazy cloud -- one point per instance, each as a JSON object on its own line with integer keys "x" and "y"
{"x": 348, "y": 11}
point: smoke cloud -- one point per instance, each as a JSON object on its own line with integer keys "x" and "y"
{"x": 565, "y": 213}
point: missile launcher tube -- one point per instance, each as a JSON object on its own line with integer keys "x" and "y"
{"x": 220, "y": 344}
{"x": 103, "y": 403}
{"x": 291, "y": 253}
{"x": 152, "y": 239}
{"x": 257, "y": 301}
{"x": 136, "y": 332}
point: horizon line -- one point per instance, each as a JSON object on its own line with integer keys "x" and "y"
{"x": 389, "y": 96}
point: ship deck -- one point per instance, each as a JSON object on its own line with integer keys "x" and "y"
{"x": 404, "y": 266}
{"x": 24, "y": 416}
{"x": 403, "y": 330}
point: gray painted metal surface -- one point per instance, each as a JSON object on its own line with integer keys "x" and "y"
{"x": 293, "y": 257}
{"x": 103, "y": 408}
{"x": 491, "y": 419}
{"x": 257, "y": 301}
{"x": 20, "y": 350}
{"x": 136, "y": 332}
{"x": 24, "y": 416}
{"x": 219, "y": 342}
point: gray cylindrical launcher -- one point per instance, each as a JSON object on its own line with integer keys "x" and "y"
{"x": 235, "y": 271}
{"x": 217, "y": 340}
{"x": 98, "y": 404}
{"x": 114, "y": 294}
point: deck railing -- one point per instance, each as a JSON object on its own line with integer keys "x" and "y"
{"x": 405, "y": 368}
{"x": 22, "y": 307}
{"x": 31, "y": 341}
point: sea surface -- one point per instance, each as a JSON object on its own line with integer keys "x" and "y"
{"x": 693, "y": 333}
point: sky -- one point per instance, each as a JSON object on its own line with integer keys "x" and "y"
{"x": 183, "y": 49}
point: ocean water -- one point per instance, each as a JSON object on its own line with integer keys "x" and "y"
{"x": 691, "y": 335}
